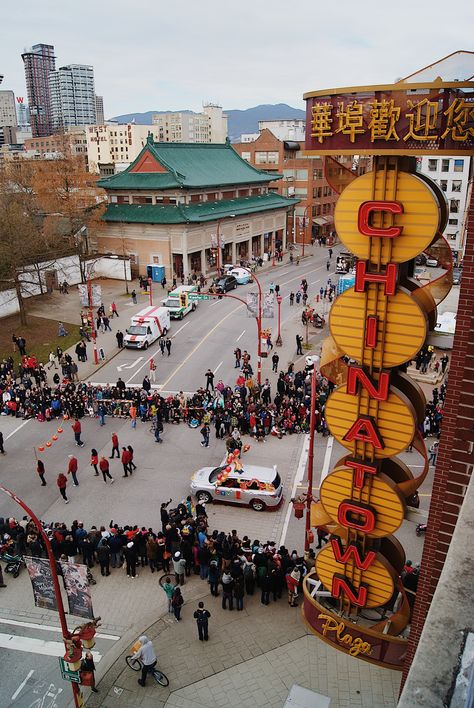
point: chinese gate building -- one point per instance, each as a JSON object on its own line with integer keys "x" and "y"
{"x": 177, "y": 203}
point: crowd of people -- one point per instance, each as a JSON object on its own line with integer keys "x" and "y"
{"x": 233, "y": 566}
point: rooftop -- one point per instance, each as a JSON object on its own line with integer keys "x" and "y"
{"x": 186, "y": 165}
{"x": 194, "y": 213}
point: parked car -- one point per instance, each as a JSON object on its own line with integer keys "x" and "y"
{"x": 421, "y": 273}
{"x": 223, "y": 285}
{"x": 431, "y": 262}
{"x": 420, "y": 260}
{"x": 242, "y": 275}
{"x": 254, "y": 486}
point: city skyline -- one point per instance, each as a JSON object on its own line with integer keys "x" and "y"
{"x": 175, "y": 59}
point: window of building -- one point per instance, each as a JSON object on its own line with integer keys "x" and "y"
{"x": 317, "y": 191}
{"x": 432, "y": 165}
{"x": 246, "y": 156}
{"x": 317, "y": 210}
{"x": 317, "y": 174}
{"x": 124, "y": 199}
{"x": 266, "y": 157}
{"x": 155, "y": 258}
{"x": 113, "y": 199}
{"x": 142, "y": 199}
{"x": 458, "y": 165}
{"x": 302, "y": 175}
{"x": 454, "y": 206}
{"x": 453, "y": 222}
{"x": 444, "y": 184}
{"x": 456, "y": 185}
{"x": 445, "y": 165}
{"x": 301, "y": 192}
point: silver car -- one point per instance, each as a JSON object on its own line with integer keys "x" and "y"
{"x": 254, "y": 486}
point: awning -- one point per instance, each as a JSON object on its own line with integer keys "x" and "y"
{"x": 320, "y": 220}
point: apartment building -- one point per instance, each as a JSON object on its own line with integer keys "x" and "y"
{"x": 73, "y": 100}
{"x": 51, "y": 146}
{"x": 112, "y": 147}
{"x": 39, "y": 62}
{"x": 7, "y": 113}
{"x": 99, "y": 110}
{"x": 210, "y": 126}
{"x": 452, "y": 174}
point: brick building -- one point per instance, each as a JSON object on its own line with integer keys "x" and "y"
{"x": 455, "y": 460}
{"x": 303, "y": 178}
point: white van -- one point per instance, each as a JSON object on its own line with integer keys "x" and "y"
{"x": 146, "y": 326}
{"x": 179, "y": 303}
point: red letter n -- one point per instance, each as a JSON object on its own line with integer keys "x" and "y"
{"x": 356, "y": 375}
{"x": 341, "y": 585}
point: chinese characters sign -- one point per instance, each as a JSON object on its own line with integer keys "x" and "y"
{"x": 436, "y": 118}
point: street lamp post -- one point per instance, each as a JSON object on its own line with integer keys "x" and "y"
{"x": 273, "y": 249}
{"x": 279, "y": 341}
{"x": 149, "y": 287}
{"x": 312, "y": 426}
{"x": 54, "y": 574}
{"x": 91, "y": 318}
{"x": 304, "y": 227}
{"x": 218, "y": 248}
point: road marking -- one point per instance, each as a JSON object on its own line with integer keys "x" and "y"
{"x": 298, "y": 480}
{"x": 193, "y": 351}
{"x": 327, "y": 460}
{"x": 132, "y": 365}
{"x": 240, "y": 335}
{"x": 52, "y": 628}
{"x": 36, "y": 646}
{"x": 179, "y": 330}
{"x": 17, "y": 429}
{"x": 215, "y": 303}
{"x": 218, "y": 367}
{"x": 22, "y": 685}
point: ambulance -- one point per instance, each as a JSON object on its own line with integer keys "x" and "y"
{"x": 146, "y": 326}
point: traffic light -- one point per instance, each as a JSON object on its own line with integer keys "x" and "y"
{"x": 183, "y": 299}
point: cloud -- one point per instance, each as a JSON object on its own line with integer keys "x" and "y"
{"x": 168, "y": 56}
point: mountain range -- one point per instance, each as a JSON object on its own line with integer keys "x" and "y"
{"x": 239, "y": 121}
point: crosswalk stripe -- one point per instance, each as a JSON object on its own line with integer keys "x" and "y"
{"x": 36, "y": 646}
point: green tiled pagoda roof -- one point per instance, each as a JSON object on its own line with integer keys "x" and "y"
{"x": 189, "y": 165}
{"x": 195, "y": 213}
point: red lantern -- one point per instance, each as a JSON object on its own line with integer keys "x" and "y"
{"x": 49, "y": 443}
{"x": 60, "y": 430}
{"x": 299, "y": 509}
{"x": 41, "y": 448}
{"x": 54, "y": 437}
{"x": 228, "y": 469}
{"x": 220, "y": 477}
{"x": 236, "y": 453}
{"x": 246, "y": 448}
{"x": 230, "y": 458}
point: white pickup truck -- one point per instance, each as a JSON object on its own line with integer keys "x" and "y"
{"x": 146, "y": 326}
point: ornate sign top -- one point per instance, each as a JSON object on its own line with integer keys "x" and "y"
{"x": 395, "y": 119}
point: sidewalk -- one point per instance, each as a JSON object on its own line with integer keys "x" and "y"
{"x": 252, "y": 659}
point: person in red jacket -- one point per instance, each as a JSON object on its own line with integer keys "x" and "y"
{"x": 77, "y": 429}
{"x": 62, "y": 483}
{"x": 292, "y": 581}
{"x": 126, "y": 462}
{"x": 95, "y": 460}
{"x": 115, "y": 446}
{"x": 105, "y": 469}
{"x": 72, "y": 469}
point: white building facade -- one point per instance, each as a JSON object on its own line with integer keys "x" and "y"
{"x": 112, "y": 147}
{"x": 7, "y": 113}
{"x": 72, "y": 96}
{"x": 210, "y": 126}
{"x": 452, "y": 175}
{"x": 285, "y": 129}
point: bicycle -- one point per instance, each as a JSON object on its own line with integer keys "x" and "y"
{"x": 137, "y": 664}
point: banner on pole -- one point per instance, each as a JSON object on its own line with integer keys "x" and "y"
{"x": 77, "y": 589}
{"x": 268, "y": 305}
{"x": 96, "y": 291}
{"x": 42, "y": 582}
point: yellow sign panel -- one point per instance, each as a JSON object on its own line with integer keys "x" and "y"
{"x": 419, "y": 220}
{"x": 400, "y": 317}
{"x": 379, "y": 578}
{"x": 395, "y": 420}
{"x": 380, "y": 493}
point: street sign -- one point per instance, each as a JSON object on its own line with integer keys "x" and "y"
{"x": 198, "y": 296}
{"x": 66, "y": 672}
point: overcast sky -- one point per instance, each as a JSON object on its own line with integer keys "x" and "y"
{"x": 174, "y": 55}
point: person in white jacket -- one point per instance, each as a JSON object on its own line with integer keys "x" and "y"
{"x": 147, "y": 656}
